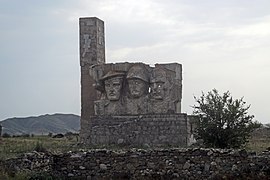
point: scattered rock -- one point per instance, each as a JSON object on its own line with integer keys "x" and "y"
{"x": 186, "y": 165}
{"x": 206, "y": 167}
{"x": 70, "y": 175}
{"x": 234, "y": 167}
{"x": 210, "y": 153}
{"x": 103, "y": 167}
{"x": 145, "y": 145}
{"x": 151, "y": 165}
{"x": 175, "y": 175}
{"x": 243, "y": 153}
{"x": 82, "y": 167}
{"x": 120, "y": 141}
{"x": 77, "y": 155}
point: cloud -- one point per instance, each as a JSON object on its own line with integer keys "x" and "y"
{"x": 258, "y": 29}
{"x": 221, "y": 44}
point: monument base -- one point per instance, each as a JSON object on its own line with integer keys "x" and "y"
{"x": 137, "y": 130}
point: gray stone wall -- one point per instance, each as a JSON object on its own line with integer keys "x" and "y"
{"x": 139, "y": 130}
{"x": 146, "y": 164}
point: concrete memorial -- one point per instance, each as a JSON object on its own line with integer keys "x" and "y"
{"x": 128, "y": 103}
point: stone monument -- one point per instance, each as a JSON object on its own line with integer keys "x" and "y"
{"x": 128, "y": 103}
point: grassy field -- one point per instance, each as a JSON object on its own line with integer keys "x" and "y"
{"x": 14, "y": 146}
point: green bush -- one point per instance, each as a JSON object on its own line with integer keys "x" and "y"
{"x": 223, "y": 121}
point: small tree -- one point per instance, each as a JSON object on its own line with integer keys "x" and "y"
{"x": 223, "y": 121}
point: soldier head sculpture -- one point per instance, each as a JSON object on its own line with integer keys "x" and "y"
{"x": 138, "y": 81}
{"x": 157, "y": 84}
{"x": 113, "y": 83}
{"x": 124, "y": 89}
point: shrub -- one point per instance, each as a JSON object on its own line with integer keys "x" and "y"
{"x": 223, "y": 121}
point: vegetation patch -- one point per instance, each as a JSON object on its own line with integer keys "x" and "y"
{"x": 13, "y": 146}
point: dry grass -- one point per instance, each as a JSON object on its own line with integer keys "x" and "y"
{"x": 14, "y": 146}
{"x": 258, "y": 144}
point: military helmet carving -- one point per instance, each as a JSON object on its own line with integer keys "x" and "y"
{"x": 138, "y": 71}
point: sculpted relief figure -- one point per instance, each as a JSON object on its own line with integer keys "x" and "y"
{"x": 133, "y": 89}
{"x": 113, "y": 82}
{"x": 157, "y": 84}
{"x": 160, "y": 87}
{"x": 113, "y": 88}
{"x": 138, "y": 87}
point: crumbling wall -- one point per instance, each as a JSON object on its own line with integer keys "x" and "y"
{"x": 149, "y": 164}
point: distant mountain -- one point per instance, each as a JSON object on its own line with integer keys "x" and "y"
{"x": 44, "y": 124}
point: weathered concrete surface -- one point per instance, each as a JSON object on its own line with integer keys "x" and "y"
{"x": 143, "y": 130}
{"x": 146, "y": 99}
{"x": 92, "y": 52}
{"x": 137, "y": 88}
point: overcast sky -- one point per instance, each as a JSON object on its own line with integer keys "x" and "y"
{"x": 221, "y": 44}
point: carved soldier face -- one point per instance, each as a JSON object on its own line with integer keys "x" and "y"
{"x": 158, "y": 84}
{"x": 157, "y": 90}
{"x": 137, "y": 87}
{"x": 113, "y": 88}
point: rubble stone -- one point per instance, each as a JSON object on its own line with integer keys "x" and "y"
{"x": 147, "y": 164}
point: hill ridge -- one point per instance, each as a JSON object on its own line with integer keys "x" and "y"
{"x": 42, "y": 124}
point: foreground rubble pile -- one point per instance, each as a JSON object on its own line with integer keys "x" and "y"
{"x": 146, "y": 164}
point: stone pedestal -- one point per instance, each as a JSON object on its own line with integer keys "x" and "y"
{"x": 159, "y": 130}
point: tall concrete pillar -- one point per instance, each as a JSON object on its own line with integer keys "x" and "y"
{"x": 92, "y": 52}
